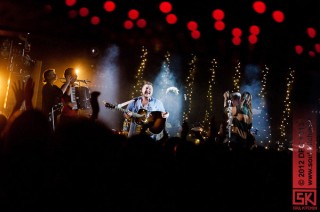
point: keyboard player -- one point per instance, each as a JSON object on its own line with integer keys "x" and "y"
{"x": 70, "y": 108}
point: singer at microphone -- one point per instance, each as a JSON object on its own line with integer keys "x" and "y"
{"x": 226, "y": 96}
{"x": 69, "y": 99}
{"x": 146, "y": 113}
{"x": 231, "y": 97}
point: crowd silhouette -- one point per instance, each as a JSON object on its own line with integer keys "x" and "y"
{"x": 84, "y": 165}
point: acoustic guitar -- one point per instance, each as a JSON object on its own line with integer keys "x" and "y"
{"x": 150, "y": 120}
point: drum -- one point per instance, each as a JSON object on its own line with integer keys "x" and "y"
{"x": 83, "y": 97}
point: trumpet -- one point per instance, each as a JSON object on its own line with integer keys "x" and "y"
{"x": 63, "y": 80}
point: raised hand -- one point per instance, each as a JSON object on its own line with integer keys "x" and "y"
{"x": 165, "y": 114}
{"x": 23, "y": 93}
{"x": 18, "y": 90}
{"x": 226, "y": 95}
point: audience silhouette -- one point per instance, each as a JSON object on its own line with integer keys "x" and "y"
{"x": 84, "y": 165}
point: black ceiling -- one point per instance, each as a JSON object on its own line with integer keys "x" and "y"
{"x": 275, "y": 39}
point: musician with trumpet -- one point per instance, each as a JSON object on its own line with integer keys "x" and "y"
{"x": 70, "y": 108}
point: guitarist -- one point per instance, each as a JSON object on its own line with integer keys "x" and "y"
{"x": 145, "y": 102}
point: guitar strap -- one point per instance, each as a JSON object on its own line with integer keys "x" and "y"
{"x": 126, "y": 103}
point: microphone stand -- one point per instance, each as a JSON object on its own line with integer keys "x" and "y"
{"x": 52, "y": 119}
{"x": 229, "y": 126}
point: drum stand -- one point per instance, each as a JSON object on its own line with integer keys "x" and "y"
{"x": 51, "y": 118}
{"x": 83, "y": 101}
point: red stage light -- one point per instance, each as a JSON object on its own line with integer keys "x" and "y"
{"x": 165, "y": 7}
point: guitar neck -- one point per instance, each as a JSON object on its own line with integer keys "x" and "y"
{"x": 135, "y": 115}
{"x": 121, "y": 109}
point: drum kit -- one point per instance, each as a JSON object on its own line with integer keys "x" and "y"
{"x": 83, "y": 97}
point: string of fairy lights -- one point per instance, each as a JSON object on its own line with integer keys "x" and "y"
{"x": 189, "y": 87}
{"x": 164, "y": 82}
{"x": 286, "y": 113}
{"x": 263, "y": 116}
{"x": 140, "y": 72}
{"x": 209, "y": 112}
{"x": 236, "y": 78}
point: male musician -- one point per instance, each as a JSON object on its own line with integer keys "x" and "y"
{"x": 145, "y": 103}
{"x": 51, "y": 96}
{"x": 70, "y": 108}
